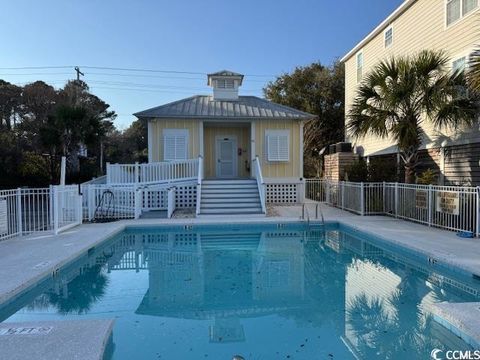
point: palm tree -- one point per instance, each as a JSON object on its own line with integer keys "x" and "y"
{"x": 474, "y": 70}
{"x": 400, "y": 94}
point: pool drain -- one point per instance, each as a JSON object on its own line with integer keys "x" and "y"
{"x": 238, "y": 357}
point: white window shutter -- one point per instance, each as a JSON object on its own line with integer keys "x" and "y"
{"x": 175, "y": 144}
{"x": 278, "y": 145}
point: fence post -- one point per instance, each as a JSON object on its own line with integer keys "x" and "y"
{"x": 55, "y": 210}
{"x": 108, "y": 173}
{"x": 396, "y": 199}
{"x": 384, "y": 191}
{"x": 430, "y": 204}
{"x": 136, "y": 172}
{"x": 138, "y": 202}
{"x": 50, "y": 205}
{"x": 362, "y": 199}
{"x": 327, "y": 191}
{"x": 342, "y": 192}
{"x": 91, "y": 201}
{"x": 477, "y": 212}
{"x": 19, "y": 212}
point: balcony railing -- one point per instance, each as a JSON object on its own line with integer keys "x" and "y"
{"x": 152, "y": 173}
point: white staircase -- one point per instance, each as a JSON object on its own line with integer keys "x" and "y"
{"x": 230, "y": 197}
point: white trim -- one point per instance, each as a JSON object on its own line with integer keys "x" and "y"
{"x": 253, "y": 147}
{"x": 384, "y": 38}
{"x": 301, "y": 149}
{"x": 201, "y": 139}
{"x": 396, "y": 13}
{"x": 150, "y": 141}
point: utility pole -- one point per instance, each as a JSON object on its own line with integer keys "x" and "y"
{"x": 77, "y": 69}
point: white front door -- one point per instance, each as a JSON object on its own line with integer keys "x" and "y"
{"x": 226, "y": 156}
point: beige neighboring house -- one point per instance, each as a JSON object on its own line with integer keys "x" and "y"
{"x": 449, "y": 25}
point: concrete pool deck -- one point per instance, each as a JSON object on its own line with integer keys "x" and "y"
{"x": 26, "y": 260}
{"x": 56, "y": 340}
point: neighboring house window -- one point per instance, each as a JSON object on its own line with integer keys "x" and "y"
{"x": 225, "y": 83}
{"x": 175, "y": 144}
{"x": 469, "y": 5}
{"x": 459, "y": 64}
{"x": 359, "y": 66}
{"x": 456, "y": 9}
{"x": 278, "y": 145}
{"x": 388, "y": 37}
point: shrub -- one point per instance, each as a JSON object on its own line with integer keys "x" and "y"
{"x": 358, "y": 171}
{"x": 428, "y": 177}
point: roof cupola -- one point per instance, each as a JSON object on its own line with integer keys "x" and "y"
{"x": 225, "y": 84}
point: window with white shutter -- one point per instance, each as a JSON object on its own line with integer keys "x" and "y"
{"x": 278, "y": 145}
{"x": 175, "y": 144}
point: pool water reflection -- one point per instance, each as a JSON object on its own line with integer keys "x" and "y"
{"x": 258, "y": 291}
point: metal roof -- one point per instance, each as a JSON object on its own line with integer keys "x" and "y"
{"x": 205, "y": 107}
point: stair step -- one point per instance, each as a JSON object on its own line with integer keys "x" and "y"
{"x": 230, "y": 205}
{"x": 230, "y": 191}
{"x": 230, "y": 182}
{"x": 229, "y": 199}
{"x": 229, "y": 186}
{"x": 230, "y": 211}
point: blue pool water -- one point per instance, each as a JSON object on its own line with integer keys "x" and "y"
{"x": 260, "y": 291}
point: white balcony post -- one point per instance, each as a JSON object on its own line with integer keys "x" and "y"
{"x": 19, "y": 212}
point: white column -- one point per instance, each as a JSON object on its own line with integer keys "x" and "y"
{"x": 150, "y": 141}
{"x": 252, "y": 148}
{"x": 200, "y": 139}
{"x": 301, "y": 149}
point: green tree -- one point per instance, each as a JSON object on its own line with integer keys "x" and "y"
{"x": 474, "y": 70}
{"x": 319, "y": 90}
{"x": 399, "y": 95}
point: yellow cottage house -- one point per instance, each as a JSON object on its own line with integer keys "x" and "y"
{"x": 243, "y": 151}
{"x": 452, "y": 26}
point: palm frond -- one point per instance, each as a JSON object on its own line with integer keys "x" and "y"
{"x": 474, "y": 70}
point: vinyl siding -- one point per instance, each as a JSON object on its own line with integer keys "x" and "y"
{"x": 156, "y": 137}
{"x": 420, "y": 27}
{"x": 288, "y": 169}
{"x": 270, "y": 170}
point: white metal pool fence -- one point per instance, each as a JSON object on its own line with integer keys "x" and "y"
{"x": 448, "y": 207}
{"x": 26, "y": 211}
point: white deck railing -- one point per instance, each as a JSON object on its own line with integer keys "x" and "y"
{"x": 26, "y": 211}
{"x": 260, "y": 183}
{"x": 449, "y": 207}
{"x": 152, "y": 173}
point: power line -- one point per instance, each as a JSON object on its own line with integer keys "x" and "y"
{"x": 120, "y": 69}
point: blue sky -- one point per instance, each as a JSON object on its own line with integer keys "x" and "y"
{"x": 262, "y": 37}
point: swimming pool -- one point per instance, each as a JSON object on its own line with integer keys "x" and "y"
{"x": 261, "y": 291}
